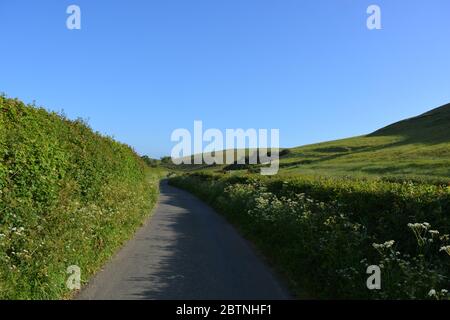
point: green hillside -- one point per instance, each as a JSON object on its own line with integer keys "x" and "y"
{"x": 415, "y": 148}
{"x": 418, "y": 146}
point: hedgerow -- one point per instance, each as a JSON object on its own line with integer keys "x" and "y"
{"x": 69, "y": 196}
{"x": 323, "y": 233}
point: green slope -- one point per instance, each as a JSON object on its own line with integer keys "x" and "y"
{"x": 418, "y": 146}
{"x": 415, "y": 148}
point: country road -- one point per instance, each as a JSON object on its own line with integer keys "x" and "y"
{"x": 185, "y": 251}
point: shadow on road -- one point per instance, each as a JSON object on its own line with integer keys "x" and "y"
{"x": 186, "y": 251}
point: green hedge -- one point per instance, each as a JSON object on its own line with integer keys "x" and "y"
{"x": 322, "y": 234}
{"x": 69, "y": 196}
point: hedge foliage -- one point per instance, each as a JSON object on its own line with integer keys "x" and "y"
{"x": 69, "y": 196}
{"x": 322, "y": 234}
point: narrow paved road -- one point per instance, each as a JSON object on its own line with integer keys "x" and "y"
{"x": 185, "y": 251}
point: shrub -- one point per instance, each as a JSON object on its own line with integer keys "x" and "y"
{"x": 323, "y": 233}
{"x": 285, "y": 152}
{"x": 69, "y": 196}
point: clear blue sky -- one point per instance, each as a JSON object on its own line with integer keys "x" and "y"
{"x": 140, "y": 69}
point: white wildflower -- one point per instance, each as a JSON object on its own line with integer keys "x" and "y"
{"x": 446, "y": 249}
{"x": 386, "y": 245}
{"x": 389, "y": 244}
{"x": 424, "y": 225}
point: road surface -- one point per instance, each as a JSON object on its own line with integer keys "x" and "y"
{"x": 185, "y": 251}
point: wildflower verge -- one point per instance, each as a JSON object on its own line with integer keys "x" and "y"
{"x": 323, "y": 234}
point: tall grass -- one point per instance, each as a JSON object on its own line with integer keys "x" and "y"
{"x": 69, "y": 196}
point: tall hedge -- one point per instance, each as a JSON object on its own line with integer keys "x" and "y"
{"x": 68, "y": 196}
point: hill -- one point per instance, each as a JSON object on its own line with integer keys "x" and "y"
{"x": 415, "y": 148}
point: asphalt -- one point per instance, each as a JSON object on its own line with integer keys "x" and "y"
{"x": 185, "y": 251}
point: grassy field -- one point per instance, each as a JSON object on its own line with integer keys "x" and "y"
{"x": 415, "y": 149}
{"x": 68, "y": 196}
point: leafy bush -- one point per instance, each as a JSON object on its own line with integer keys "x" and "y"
{"x": 285, "y": 152}
{"x": 150, "y": 162}
{"x": 69, "y": 196}
{"x": 322, "y": 234}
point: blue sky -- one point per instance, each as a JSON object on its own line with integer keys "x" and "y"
{"x": 137, "y": 70}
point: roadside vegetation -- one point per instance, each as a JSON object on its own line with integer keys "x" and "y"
{"x": 322, "y": 234}
{"x": 337, "y": 207}
{"x": 68, "y": 196}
